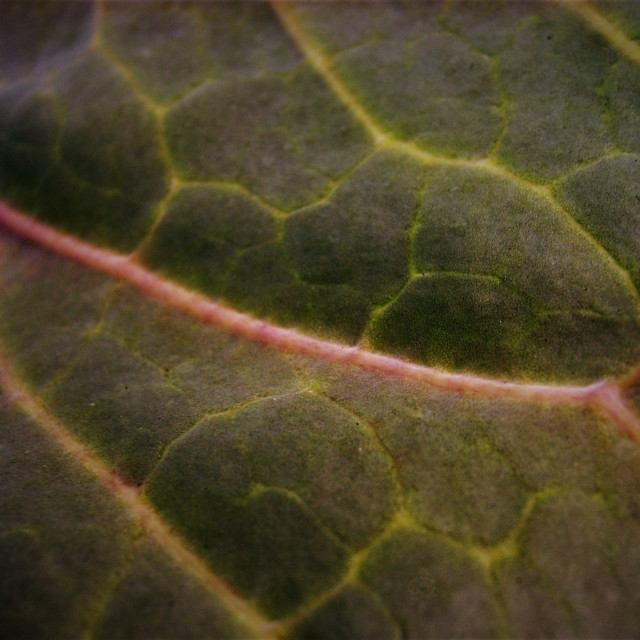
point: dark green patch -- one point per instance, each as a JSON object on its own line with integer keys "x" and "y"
{"x": 155, "y": 599}
{"x": 109, "y": 137}
{"x": 201, "y": 233}
{"x": 61, "y": 535}
{"x": 83, "y": 154}
{"x": 434, "y": 90}
{"x": 590, "y": 560}
{"x": 352, "y": 613}
{"x": 460, "y": 322}
{"x": 334, "y": 466}
{"x": 475, "y": 222}
{"x": 206, "y": 487}
{"x": 359, "y": 237}
{"x": 266, "y": 134}
{"x": 94, "y": 214}
{"x": 581, "y": 346}
{"x": 555, "y": 120}
{"x": 162, "y": 47}
{"x": 432, "y": 589}
{"x": 553, "y": 289}
{"x": 121, "y": 406}
{"x": 30, "y": 125}
{"x": 605, "y": 198}
{"x": 263, "y": 283}
{"x": 336, "y": 312}
{"x": 286, "y": 476}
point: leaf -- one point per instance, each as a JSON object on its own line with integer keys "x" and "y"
{"x": 319, "y": 320}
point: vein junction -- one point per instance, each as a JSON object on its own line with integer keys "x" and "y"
{"x": 382, "y": 139}
{"x": 604, "y": 396}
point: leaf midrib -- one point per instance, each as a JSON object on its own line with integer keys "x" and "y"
{"x": 604, "y": 396}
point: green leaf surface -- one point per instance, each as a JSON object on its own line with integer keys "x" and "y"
{"x": 454, "y": 185}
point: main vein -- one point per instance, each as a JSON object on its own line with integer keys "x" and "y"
{"x": 141, "y": 512}
{"x": 603, "y": 396}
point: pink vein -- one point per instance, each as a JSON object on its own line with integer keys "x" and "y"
{"x": 603, "y": 396}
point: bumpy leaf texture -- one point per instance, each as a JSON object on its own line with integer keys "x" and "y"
{"x": 217, "y": 217}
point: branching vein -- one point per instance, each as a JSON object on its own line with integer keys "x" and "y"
{"x": 322, "y": 65}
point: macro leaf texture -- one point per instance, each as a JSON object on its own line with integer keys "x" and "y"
{"x": 319, "y": 320}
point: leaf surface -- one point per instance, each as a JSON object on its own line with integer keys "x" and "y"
{"x": 319, "y": 320}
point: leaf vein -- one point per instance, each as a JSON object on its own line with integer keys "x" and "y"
{"x": 142, "y": 513}
{"x": 386, "y": 140}
{"x": 603, "y": 396}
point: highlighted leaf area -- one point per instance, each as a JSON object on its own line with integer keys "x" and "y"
{"x": 449, "y": 183}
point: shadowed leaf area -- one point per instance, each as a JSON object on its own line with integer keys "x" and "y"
{"x": 455, "y": 184}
